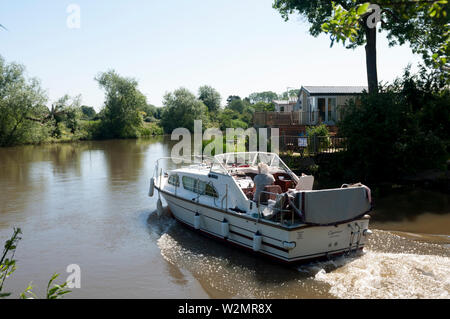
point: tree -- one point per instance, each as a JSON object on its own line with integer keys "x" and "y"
{"x": 231, "y": 98}
{"x": 120, "y": 116}
{"x": 389, "y": 134}
{"x": 237, "y": 105}
{"x": 88, "y": 112}
{"x": 229, "y": 118}
{"x": 289, "y": 94}
{"x": 181, "y": 109}
{"x": 66, "y": 110}
{"x": 267, "y": 97}
{"x": 210, "y": 97}
{"x": 150, "y": 110}
{"x": 421, "y": 23}
{"x": 22, "y": 101}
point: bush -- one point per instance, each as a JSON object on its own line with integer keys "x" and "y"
{"x": 318, "y": 138}
{"x": 389, "y": 135}
{"x": 151, "y": 129}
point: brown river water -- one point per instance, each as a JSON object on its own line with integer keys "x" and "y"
{"x": 86, "y": 203}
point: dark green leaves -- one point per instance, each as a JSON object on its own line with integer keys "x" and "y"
{"x": 120, "y": 116}
{"x": 8, "y": 266}
{"x": 57, "y": 291}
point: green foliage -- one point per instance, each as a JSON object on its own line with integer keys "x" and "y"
{"x": 229, "y": 118}
{"x": 422, "y": 24}
{"x": 237, "y": 105}
{"x": 289, "y": 94}
{"x": 181, "y": 109}
{"x": 88, "y": 112}
{"x": 8, "y": 266}
{"x": 64, "y": 113}
{"x": 150, "y": 111}
{"x": 57, "y": 291}
{"x": 266, "y": 97}
{"x": 264, "y": 107}
{"x": 120, "y": 116}
{"x": 318, "y": 138}
{"x": 214, "y": 150}
{"x": 400, "y": 131}
{"x": 231, "y": 98}
{"x": 22, "y": 103}
{"x": 319, "y": 130}
{"x": 7, "y": 261}
{"x": 210, "y": 97}
{"x": 151, "y": 129}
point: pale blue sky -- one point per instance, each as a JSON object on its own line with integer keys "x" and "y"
{"x": 236, "y": 46}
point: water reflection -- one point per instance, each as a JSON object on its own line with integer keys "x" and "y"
{"x": 55, "y": 177}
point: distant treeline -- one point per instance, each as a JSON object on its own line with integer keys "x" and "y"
{"x": 28, "y": 117}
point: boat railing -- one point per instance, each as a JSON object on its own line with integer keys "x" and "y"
{"x": 195, "y": 160}
{"x": 278, "y": 207}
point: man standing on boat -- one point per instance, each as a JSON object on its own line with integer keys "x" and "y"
{"x": 263, "y": 179}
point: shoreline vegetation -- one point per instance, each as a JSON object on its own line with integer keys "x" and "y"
{"x": 395, "y": 134}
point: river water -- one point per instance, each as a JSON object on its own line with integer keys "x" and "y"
{"x": 86, "y": 203}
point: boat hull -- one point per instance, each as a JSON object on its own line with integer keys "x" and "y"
{"x": 298, "y": 244}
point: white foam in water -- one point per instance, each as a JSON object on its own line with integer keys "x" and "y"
{"x": 389, "y": 276}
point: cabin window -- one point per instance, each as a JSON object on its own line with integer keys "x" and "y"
{"x": 189, "y": 183}
{"x": 199, "y": 187}
{"x": 174, "y": 180}
{"x": 211, "y": 191}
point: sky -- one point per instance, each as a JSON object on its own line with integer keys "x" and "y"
{"x": 236, "y": 46}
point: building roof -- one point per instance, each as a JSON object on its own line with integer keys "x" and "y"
{"x": 335, "y": 89}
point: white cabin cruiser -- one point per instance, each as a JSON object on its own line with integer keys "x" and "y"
{"x": 289, "y": 221}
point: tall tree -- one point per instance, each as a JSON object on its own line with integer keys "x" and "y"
{"x": 210, "y": 97}
{"x": 181, "y": 109}
{"x": 21, "y": 101}
{"x": 120, "y": 116}
{"x": 422, "y": 23}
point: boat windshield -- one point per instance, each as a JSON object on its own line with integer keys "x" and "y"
{"x": 230, "y": 163}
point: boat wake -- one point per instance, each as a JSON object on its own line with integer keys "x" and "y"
{"x": 388, "y": 275}
{"x": 159, "y": 225}
{"x": 390, "y": 267}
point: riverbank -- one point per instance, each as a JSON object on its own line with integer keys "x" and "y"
{"x": 87, "y": 133}
{"x": 330, "y": 170}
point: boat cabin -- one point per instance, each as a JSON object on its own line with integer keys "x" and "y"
{"x": 227, "y": 182}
